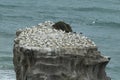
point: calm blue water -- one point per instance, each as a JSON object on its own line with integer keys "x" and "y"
{"x": 97, "y": 19}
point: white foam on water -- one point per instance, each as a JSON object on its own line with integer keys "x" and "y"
{"x": 7, "y": 75}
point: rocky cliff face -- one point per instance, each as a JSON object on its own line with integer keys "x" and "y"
{"x": 43, "y": 53}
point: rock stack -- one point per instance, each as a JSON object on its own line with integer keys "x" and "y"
{"x": 44, "y": 53}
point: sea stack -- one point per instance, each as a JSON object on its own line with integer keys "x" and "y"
{"x": 44, "y": 52}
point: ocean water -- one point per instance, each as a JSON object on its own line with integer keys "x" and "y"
{"x": 97, "y": 19}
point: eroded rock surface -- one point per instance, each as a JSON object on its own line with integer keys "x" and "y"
{"x": 43, "y": 53}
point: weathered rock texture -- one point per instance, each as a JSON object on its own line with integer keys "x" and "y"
{"x": 58, "y": 63}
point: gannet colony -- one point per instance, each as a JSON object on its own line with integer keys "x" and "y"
{"x": 44, "y": 35}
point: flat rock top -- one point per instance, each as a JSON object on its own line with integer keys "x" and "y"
{"x": 43, "y": 35}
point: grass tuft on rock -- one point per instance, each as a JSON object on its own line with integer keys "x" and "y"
{"x": 62, "y": 26}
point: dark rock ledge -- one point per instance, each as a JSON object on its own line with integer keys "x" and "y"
{"x": 35, "y": 59}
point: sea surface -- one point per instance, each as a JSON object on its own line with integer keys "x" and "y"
{"x": 97, "y": 19}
